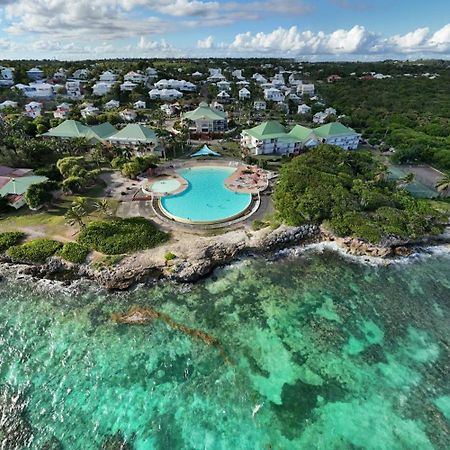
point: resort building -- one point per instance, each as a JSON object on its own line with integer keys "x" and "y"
{"x": 237, "y": 74}
{"x": 215, "y": 75}
{"x": 273, "y": 138}
{"x": 170, "y": 109}
{"x": 180, "y": 85}
{"x": 223, "y": 85}
{"x": 72, "y": 129}
{"x": 90, "y": 110}
{"x": 80, "y": 74}
{"x": 108, "y": 77}
{"x": 135, "y": 135}
{"x": 128, "y": 115}
{"x": 14, "y": 183}
{"x": 206, "y": 120}
{"x": 323, "y": 116}
{"x": 259, "y": 105}
{"x": 151, "y": 72}
{"x": 60, "y": 75}
{"x": 223, "y": 97}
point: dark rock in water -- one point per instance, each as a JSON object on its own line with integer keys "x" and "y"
{"x": 116, "y": 442}
{"x": 52, "y": 444}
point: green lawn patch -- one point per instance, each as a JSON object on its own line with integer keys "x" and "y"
{"x": 119, "y": 236}
{"x": 8, "y": 239}
{"x": 74, "y": 253}
{"x": 36, "y": 251}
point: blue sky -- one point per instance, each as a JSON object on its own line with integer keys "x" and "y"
{"x": 308, "y": 29}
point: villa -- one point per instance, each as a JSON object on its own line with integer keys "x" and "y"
{"x": 35, "y": 74}
{"x": 73, "y": 89}
{"x": 165, "y": 94}
{"x": 323, "y": 116}
{"x": 8, "y": 104}
{"x": 273, "y": 138}
{"x": 180, "y": 85}
{"x": 90, "y": 110}
{"x": 303, "y": 109}
{"x": 14, "y": 183}
{"x": 244, "y": 94}
{"x": 224, "y": 85}
{"x": 128, "y": 115}
{"x": 207, "y": 120}
{"x": 6, "y": 76}
{"x": 36, "y": 90}
{"x": 259, "y": 105}
{"x": 62, "y": 111}
{"x": 215, "y": 75}
{"x": 108, "y": 77}
{"x": 128, "y": 86}
{"x": 80, "y": 74}
{"x": 151, "y": 72}
{"x": 101, "y": 88}
{"x": 273, "y": 95}
{"x": 33, "y": 109}
{"x": 112, "y": 104}
{"x": 140, "y": 104}
{"x": 135, "y": 77}
{"x": 306, "y": 89}
{"x": 60, "y": 75}
{"x": 223, "y": 97}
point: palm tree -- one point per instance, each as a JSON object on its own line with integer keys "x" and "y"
{"x": 103, "y": 207}
{"x": 75, "y": 216}
{"x": 443, "y": 185}
{"x": 407, "y": 179}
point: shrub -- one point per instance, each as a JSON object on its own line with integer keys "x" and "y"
{"x": 118, "y": 236}
{"x": 8, "y": 239}
{"x": 169, "y": 256}
{"x": 39, "y": 194}
{"x": 74, "y": 253}
{"x": 36, "y": 251}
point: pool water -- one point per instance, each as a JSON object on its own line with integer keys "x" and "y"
{"x": 206, "y": 199}
{"x": 168, "y": 185}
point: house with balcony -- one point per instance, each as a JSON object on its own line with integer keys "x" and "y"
{"x": 322, "y": 116}
{"x": 223, "y": 85}
{"x": 101, "y": 88}
{"x": 306, "y": 89}
{"x": 215, "y": 75}
{"x": 128, "y": 86}
{"x": 180, "y": 85}
{"x": 89, "y": 111}
{"x": 37, "y": 90}
{"x": 33, "y": 109}
{"x": 151, "y": 73}
{"x": 244, "y": 94}
{"x": 259, "y": 105}
{"x": 206, "y": 120}
{"x": 272, "y": 138}
{"x": 135, "y": 77}
{"x": 60, "y": 75}
{"x": 337, "y": 134}
{"x": 223, "y": 97}
{"x": 108, "y": 76}
{"x": 80, "y": 74}
{"x": 237, "y": 74}
{"x": 303, "y": 109}
{"x": 73, "y": 89}
{"x": 274, "y": 95}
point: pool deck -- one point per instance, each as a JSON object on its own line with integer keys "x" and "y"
{"x": 246, "y": 179}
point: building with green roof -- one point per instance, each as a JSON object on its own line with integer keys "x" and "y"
{"x": 205, "y": 120}
{"x": 134, "y": 134}
{"x": 15, "y": 188}
{"x": 72, "y": 129}
{"x": 272, "y": 138}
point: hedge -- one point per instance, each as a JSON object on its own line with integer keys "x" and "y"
{"x": 74, "y": 253}
{"x": 8, "y": 239}
{"x": 118, "y": 236}
{"x": 36, "y": 251}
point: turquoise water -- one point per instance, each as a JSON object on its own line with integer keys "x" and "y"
{"x": 321, "y": 353}
{"x": 165, "y": 186}
{"x": 206, "y": 199}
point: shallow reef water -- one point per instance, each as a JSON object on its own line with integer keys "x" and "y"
{"x": 321, "y": 353}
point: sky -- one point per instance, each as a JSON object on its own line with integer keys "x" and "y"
{"x": 312, "y": 30}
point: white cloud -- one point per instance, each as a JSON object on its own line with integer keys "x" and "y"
{"x": 355, "y": 41}
{"x": 143, "y": 44}
{"x": 206, "y": 43}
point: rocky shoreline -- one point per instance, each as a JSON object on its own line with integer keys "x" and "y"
{"x": 196, "y": 259}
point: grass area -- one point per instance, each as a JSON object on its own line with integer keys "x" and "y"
{"x": 442, "y": 205}
{"x": 231, "y": 149}
{"x": 119, "y": 236}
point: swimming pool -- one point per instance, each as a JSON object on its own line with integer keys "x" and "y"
{"x": 206, "y": 199}
{"x": 168, "y": 185}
